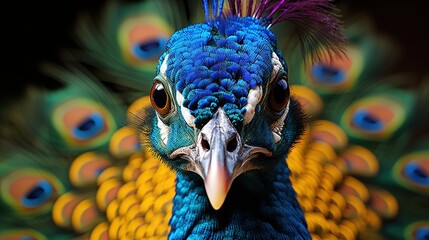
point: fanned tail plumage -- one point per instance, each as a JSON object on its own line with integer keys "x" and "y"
{"x": 75, "y": 163}
{"x": 124, "y": 42}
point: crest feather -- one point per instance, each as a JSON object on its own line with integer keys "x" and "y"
{"x": 317, "y": 22}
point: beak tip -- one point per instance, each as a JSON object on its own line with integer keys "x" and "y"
{"x": 216, "y": 194}
{"x": 216, "y": 205}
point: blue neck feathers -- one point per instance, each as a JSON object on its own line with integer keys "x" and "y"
{"x": 260, "y": 205}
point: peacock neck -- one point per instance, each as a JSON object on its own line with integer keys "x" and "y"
{"x": 258, "y": 206}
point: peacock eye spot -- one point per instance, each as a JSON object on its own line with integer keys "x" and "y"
{"x": 160, "y": 99}
{"x": 150, "y": 46}
{"x": 367, "y": 121}
{"x": 149, "y": 49}
{"x": 422, "y": 233}
{"x": 88, "y": 124}
{"x": 279, "y": 95}
{"x": 327, "y": 74}
{"x": 38, "y": 195}
{"x": 416, "y": 173}
{"x": 89, "y": 127}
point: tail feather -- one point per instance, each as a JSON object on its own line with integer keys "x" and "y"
{"x": 124, "y": 44}
{"x": 79, "y": 116}
{"x": 71, "y": 159}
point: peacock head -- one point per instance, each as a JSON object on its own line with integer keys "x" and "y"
{"x": 222, "y": 98}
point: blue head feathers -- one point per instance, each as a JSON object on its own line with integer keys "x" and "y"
{"x": 216, "y": 64}
{"x": 222, "y": 90}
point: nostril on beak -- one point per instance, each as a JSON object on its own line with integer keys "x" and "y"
{"x": 232, "y": 143}
{"x": 204, "y": 143}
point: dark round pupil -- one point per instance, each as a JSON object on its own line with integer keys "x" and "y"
{"x": 420, "y": 172}
{"x": 281, "y": 91}
{"x": 329, "y": 71}
{"x": 36, "y": 193}
{"x": 160, "y": 96}
{"x": 146, "y": 47}
{"x": 370, "y": 119}
{"x": 87, "y": 125}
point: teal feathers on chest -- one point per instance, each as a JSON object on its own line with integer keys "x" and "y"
{"x": 249, "y": 212}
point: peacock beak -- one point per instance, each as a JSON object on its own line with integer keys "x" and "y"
{"x": 218, "y": 147}
{"x": 219, "y": 156}
{"x": 222, "y": 156}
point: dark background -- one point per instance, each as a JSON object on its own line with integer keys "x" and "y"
{"x": 36, "y": 30}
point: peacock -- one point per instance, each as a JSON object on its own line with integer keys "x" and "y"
{"x": 237, "y": 120}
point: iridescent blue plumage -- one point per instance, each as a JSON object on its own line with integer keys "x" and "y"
{"x": 216, "y": 64}
{"x": 248, "y": 212}
{"x": 223, "y": 111}
{"x": 226, "y": 118}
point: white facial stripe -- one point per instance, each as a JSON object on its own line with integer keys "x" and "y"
{"x": 277, "y": 66}
{"x": 163, "y": 68}
{"x": 186, "y": 113}
{"x": 277, "y": 126}
{"x": 255, "y": 94}
{"x": 164, "y": 130}
{"x": 253, "y": 98}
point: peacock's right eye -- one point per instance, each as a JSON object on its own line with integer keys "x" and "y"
{"x": 279, "y": 95}
{"x": 160, "y": 99}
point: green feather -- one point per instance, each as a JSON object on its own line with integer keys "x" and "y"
{"x": 79, "y": 116}
{"x": 49, "y": 156}
{"x": 368, "y": 54}
{"x": 126, "y": 40}
{"x": 31, "y": 179}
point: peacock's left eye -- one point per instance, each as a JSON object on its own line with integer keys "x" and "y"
{"x": 279, "y": 95}
{"x": 160, "y": 99}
